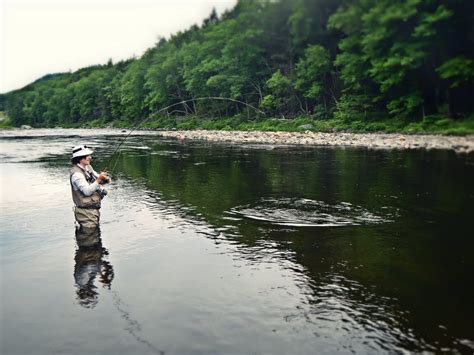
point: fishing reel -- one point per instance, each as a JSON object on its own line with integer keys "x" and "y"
{"x": 102, "y": 192}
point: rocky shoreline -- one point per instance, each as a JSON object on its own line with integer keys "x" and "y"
{"x": 371, "y": 140}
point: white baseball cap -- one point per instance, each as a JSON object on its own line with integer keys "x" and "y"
{"x": 81, "y": 151}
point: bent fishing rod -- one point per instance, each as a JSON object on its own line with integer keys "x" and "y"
{"x": 166, "y": 108}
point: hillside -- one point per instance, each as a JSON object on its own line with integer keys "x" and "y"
{"x": 361, "y": 63}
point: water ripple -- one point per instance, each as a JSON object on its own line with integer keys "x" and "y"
{"x": 299, "y": 212}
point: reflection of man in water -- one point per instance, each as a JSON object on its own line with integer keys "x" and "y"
{"x": 91, "y": 264}
{"x": 87, "y": 194}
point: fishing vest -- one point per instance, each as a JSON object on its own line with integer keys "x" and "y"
{"x": 81, "y": 200}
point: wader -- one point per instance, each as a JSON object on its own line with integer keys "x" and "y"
{"x": 88, "y": 233}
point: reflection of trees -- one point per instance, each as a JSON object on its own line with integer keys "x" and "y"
{"x": 90, "y": 264}
{"x": 393, "y": 260}
{"x": 213, "y": 179}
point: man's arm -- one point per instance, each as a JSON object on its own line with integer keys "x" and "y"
{"x": 80, "y": 183}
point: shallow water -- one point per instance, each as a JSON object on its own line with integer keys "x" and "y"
{"x": 236, "y": 249}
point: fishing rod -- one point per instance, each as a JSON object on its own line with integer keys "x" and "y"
{"x": 166, "y": 108}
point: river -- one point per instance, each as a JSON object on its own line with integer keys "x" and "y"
{"x": 215, "y": 248}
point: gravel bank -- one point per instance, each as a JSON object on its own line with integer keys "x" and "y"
{"x": 371, "y": 140}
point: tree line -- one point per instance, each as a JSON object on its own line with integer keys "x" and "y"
{"x": 346, "y": 59}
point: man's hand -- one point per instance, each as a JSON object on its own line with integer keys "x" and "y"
{"x": 103, "y": 178}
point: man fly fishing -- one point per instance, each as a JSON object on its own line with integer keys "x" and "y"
{"x": 87, "y": 194}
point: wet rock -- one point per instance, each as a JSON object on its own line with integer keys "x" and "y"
{"x": 459, "y": 147}
{"x": 374, "y": 140}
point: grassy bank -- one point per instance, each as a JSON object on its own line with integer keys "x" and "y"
{"x": 5, "y": 122}
{"x": 431, "y": 124}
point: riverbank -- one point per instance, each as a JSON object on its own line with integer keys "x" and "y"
{"x": 459, "y": 144}
{"x": 463, "y": 144}
{"x": 429, "y": 125}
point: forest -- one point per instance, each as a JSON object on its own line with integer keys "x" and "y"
{"x": 364, "y": 64}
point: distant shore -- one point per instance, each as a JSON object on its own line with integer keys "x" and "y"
{"x": 463, "y": 144}
{"x": 459, "y": 144}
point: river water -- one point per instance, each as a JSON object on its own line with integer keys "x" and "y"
{"x": 236, "y": 249}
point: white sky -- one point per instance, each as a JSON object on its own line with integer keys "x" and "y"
{"x": 49, "y": 36}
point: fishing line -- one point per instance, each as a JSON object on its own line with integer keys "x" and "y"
{"x": 166, "y": 108}
{"x": 133, "y": 326}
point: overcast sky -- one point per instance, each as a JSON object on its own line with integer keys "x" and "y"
{"x": 50, "y": 36}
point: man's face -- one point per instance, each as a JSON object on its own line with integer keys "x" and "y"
{"x": 86, "y": 160}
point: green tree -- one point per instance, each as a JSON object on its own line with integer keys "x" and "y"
{"x": 313, "y": 76}
{"x": 280, "y": 99}
{"x": 391, "y": 50}
{"x": 132, "y": 91}
{"x": 164, "y": 80}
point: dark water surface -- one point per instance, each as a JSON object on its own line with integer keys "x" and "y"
{"x": 237, "y": 249}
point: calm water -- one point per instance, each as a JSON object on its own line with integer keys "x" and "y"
{"x": 237, "y": 249}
